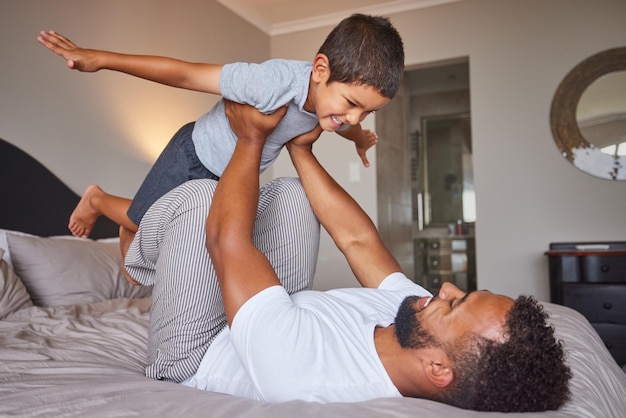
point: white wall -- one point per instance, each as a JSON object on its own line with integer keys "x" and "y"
{"x": 527, "y": 194}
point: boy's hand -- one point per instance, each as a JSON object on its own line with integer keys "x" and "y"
{"x": 77, "y": 58}
{"x": 365, "y": 141}
{"x": 248, "y": 123}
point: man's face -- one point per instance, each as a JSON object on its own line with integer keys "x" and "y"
{"x": 454, "y": 314}
{"x": 339, "y": 104}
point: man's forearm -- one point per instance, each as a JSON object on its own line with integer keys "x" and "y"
{"x": 324, "y": 193}
{"x": 242, "y": 270}
{"x": 347, "y": 223}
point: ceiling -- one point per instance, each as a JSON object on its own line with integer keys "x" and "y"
{"x": 277, "y": 17}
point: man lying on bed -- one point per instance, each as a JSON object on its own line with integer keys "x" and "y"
{"x": 389, "y": 339}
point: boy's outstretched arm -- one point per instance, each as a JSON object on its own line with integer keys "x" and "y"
{"x": 242, "y": 270}
{"x": 363, "y": 140}
{"x": 347, "y": 223}
{"x": 168, "y": 71}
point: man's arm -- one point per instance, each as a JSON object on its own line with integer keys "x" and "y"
{"x": 168, "y": 71}
{"x": 350, "y": 227}
{"x": 242, "y": 270}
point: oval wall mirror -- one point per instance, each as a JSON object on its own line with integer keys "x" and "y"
{"x": 588, "y": 115}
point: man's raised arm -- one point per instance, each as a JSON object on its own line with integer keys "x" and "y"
{"x": 242, "y": 270}
{"x": 350, "y": 227}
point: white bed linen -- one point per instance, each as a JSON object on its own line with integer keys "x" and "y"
{"x": 88, "y": 360}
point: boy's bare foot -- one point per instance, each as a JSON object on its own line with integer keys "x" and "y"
{"x": 85, "y": 215}
{"x": 126, "y": 237}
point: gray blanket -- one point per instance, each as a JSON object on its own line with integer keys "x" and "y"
{"x": 88, "y": 360}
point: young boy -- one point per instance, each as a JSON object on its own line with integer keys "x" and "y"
{"x": 357, "y": 70}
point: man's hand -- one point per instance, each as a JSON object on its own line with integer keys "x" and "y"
{"x": 306, "y": 140}
{"x": 230, "y": 224}
{"x": 248, "y": 123}
{"x": 350, "y": 227}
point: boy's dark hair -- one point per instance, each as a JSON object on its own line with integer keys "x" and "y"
{"x": 366, "y": 50}
{"x": 527, "y": 373}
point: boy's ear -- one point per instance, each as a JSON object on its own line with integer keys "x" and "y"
{"x": 321, "y": 68}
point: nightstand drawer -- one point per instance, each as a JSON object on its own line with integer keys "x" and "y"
{"x": 591, "y": 278}
{"x": 614, "y": 338}
{"x": 605, "y": 303}
{"x": 447, "y": 261}
{"x": 450, "y": 244}
{"x": 601, "y": 268}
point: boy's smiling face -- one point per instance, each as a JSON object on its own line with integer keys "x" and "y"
{"x": 339, "y": 104}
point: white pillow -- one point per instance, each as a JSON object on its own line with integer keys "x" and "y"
{"x": 13, "y": 294}
{"x": 4, "y": 244}
{"x": 68, "y": 270}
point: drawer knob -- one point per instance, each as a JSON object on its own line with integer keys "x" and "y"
{"x": 607, "y": 305}
{"x": 608, "y": 344}
{"x": 604, "y": 268}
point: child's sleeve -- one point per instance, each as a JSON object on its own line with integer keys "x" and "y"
{"x": 266, "y": 86}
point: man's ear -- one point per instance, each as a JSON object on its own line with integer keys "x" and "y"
{"x": 437, "y": 368}
{"x": 321, "y": 68}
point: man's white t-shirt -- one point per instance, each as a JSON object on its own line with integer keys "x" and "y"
{"x": 312, "y": 346}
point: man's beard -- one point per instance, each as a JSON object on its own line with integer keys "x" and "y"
{"x": 409, "y": 330}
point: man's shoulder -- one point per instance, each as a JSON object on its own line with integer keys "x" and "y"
{"x": 400, "y": 282}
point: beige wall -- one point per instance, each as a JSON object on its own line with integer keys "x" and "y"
{"x": 527, "y": 194}
{"x": 107, "y": 128}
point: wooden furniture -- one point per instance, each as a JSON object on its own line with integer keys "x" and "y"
{"x": 591, "y": 278}
{"x": 445, "y": 259}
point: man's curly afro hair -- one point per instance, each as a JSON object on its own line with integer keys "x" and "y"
{"x": 527, "y": 373}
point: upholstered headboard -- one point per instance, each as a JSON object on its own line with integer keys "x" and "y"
{"x": 36, "y": 201}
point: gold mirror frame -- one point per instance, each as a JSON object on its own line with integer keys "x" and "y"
{"x": 567, "y": 136}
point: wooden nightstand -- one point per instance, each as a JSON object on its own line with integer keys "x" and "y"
{"x": 591, "y": 278}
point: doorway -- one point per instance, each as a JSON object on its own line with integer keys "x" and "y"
{"x": 426, "y": 200}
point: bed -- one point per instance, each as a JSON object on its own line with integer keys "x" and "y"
{"x": 73, "y": 333}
